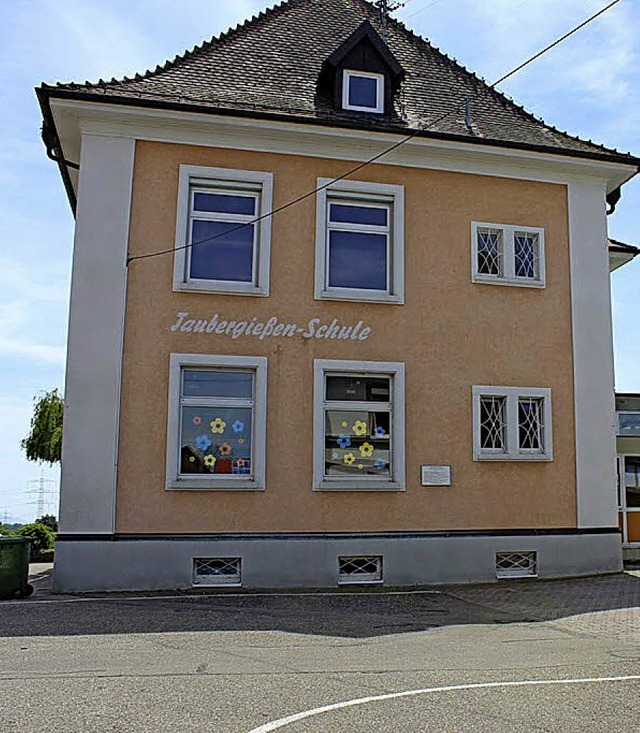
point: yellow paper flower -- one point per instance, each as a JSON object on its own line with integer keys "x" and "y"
{"x": 366, "y": 449}
{"x": 344, "y": 424}
{"x": 209, "y": 460}
{"x": 359, "y": 427}
{"x": 192, "y": 459}
{"x": 218, "y": 425}
{"x": 349, "y": 458}
{"x": 360, "y": 466}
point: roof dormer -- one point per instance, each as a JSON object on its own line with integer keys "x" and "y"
{"x": 363, "y": 74}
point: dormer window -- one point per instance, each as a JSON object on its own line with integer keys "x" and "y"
{"x": 363, "y": 91}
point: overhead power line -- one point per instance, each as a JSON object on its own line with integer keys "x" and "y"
{"x": 463, "y": 104}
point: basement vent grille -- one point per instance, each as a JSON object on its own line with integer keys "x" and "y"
{"x": 360, "y": 569}
{"x": 216, "y": 571}
{"x": 516, "y": 564}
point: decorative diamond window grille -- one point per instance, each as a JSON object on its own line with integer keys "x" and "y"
{"x": 490, "y": 252}
{"x": 493, "y": 424}
{"x": 531, "y": 424}
{"x": 527, "y": 255}
{"x": 516, "y": 564}
{"x": 360, "y": 569}
{"x": 212, "y": 571}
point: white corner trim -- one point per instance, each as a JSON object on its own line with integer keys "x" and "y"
{"x": 367, "y": 190}
{"x": 592, "y": 356}
{"x": 512, "y": 395}
{"x": 96, "y": 332}
{"x": 394, "y": 369}
{"x": 207, "y": 175}
{"x": 259, "y": 426}
{"x": 508, "y": 276}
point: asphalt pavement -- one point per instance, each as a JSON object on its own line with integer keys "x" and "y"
{"x": 515, "y": 656}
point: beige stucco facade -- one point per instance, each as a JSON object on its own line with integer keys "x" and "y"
{"x": 451, "y": 334}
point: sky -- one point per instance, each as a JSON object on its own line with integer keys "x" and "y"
{"x": 589, "y": 86}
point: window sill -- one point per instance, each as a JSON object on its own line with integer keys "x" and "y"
{"x": 342, "y": 485}
{"x": 516, "y": 282}
{"x": 511, "y": 459}
{"x": 221, "y": 289}
{"x": 358, "y": 297}
{"x": 222, "y": 484}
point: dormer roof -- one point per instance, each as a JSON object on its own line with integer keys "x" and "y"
{"x": 366, "y": 32}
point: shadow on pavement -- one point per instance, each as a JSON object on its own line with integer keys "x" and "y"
{"x": 348, "y": 614}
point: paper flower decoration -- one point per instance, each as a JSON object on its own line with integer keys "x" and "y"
{"x": 192, "y": 459}
{"x": 238, "y": 426}
{"x": 344, "y": 424}
{"x": 366, "y": 449}
{"x": 380, "y": 463}
{"x": 344, "y": 441}
{"x": 359, "y": 427}
{"x": 379, "y": 432}
{"x": 335, "y": 454}
{"x": 197, "y": 420}
{"x": 240, "y": 462}
{"x": 225, "y": 449}
{"x": 240, "y": 441}
{"x": 209, "y": 460}
{"x": 360, "y": 466}
{"x": 203, "y": 442}
{"x": 218, "y": 425}
{"x": 349, "y": 459}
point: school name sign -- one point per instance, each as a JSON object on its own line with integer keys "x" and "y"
{"x": 273, "y": 327}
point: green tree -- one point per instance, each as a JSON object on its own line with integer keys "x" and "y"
{"x": 44, "y": 442}
{"x": 49, "y": 521}
{"x": 42, "y": 538}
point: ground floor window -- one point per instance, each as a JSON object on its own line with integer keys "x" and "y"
{"x": 358, "y": 425}
{"x": 512, "y": 423}
{"x": 217, "y": 422}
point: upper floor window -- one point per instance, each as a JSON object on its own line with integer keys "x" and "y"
{"x": 508, "y": 255}
{"x": 359, "y": 249}
{"x": 220, "y": 247}
{"x": 629, "y": 424}
{"x": 362, "y": 91}
{"x": 512, "y": 423}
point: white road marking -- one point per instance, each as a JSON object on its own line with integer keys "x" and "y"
{"x": 280, "y": 723}
{"x": 200, "y": 596}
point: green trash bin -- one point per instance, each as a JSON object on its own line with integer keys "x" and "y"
{"x": 14, "y": 567}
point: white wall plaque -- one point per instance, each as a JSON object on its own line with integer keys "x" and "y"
{"x": 436, "y": 475}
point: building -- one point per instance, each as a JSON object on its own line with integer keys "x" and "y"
{"x": 628, "y": 446}
{"x": 406, "y": 377}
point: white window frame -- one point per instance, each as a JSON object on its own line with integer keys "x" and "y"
{"x": 211, "y": 482}
{"x": 508, "y": 276}
{"x": 361, "y": 193}
{"x": 379, "y": 79}
{"x": 512, "y": 451}
{"x": 258, "y": 183}
{"x": 396, "y": 480}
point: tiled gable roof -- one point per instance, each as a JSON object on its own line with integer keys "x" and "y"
{"x": 269, "y": 67}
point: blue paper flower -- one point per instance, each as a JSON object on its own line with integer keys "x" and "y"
{"x": 344, "y": 441}
{"x": 335, "y": 454}
{"x": 238, "y": 426}
{"x": 379, "y": 464}
{"x": 203, "y": 442}
{"x": 379, "y": 432}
